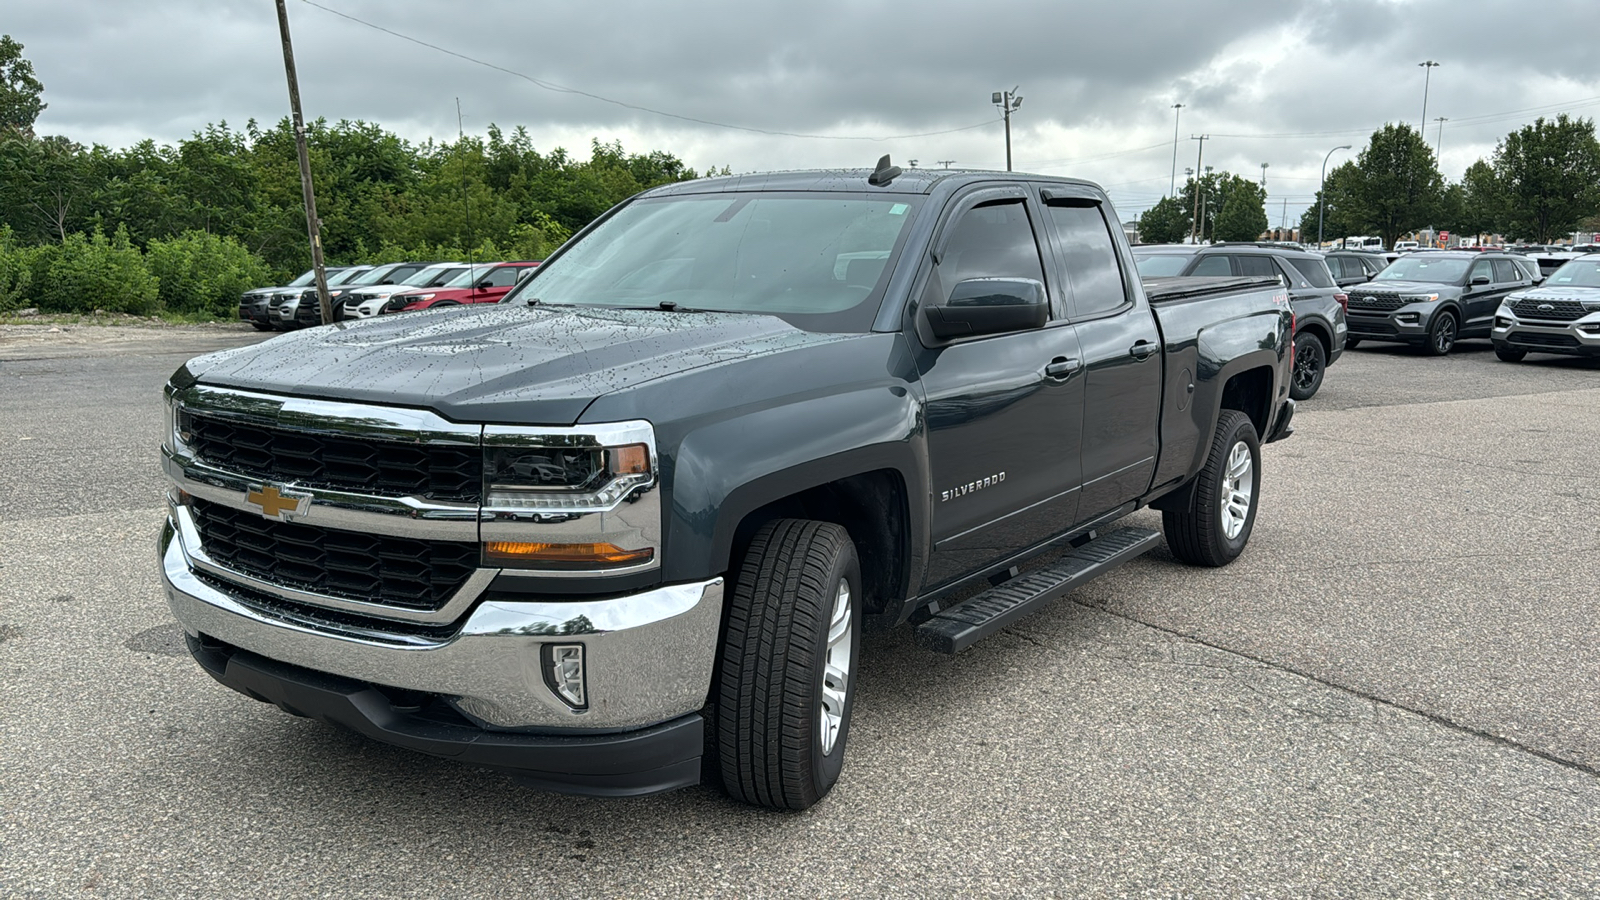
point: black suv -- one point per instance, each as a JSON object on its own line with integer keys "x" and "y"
{"x": 1317, "y": 301}
{"x": 1432, "y": 298}
{"x": 1351, "y": 267}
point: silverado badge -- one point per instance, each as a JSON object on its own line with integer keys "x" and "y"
{"x": 276, "y": 504}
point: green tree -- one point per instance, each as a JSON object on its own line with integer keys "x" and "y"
{"x": 1483, "y": 201}
{"x": 1243, "y": 216}
{"x": 1396, "y": 186}
{"x": 86, "y": 273}
{"x": 1336, "y": 206}
{"x": 1164, "y": 223}
{"x": 20, "y": 105}
{"x": 203, "y": 273}
{"x": 1550, "y": 175}
{"x": 1211, "y": 188}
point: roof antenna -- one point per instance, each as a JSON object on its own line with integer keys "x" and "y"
{"x": 884, "y": 173}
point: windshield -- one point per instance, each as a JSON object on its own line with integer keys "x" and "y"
{"x": 346, "y": 276}
{"x": 1159, "y": 265}
{"x": 814, "y": 259}
{"x": 430, "y": 275}
{"x": 1578, "y": 273}
{"x": 1450, "y": 270}
{"x": 469, "y": 275}
{"x": 305, "y": 279}
{"x": 373, "y": 276}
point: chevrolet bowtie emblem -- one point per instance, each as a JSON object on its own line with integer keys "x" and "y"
{"x": 276, "y": 504}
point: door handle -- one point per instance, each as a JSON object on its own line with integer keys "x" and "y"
{"x": 1061, "y": 368}
{"x": 1142, "y": 350}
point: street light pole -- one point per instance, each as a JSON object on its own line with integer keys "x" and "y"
{"x": 1177, "y": 110}
{"x": 1428, "y": 66}
{"x": 1322, "y": 196}
{"x": 1009, "y": 102}
{"x": 1438, "y": 146}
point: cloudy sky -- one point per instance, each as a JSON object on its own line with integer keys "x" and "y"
{"x": 757, "y": 85}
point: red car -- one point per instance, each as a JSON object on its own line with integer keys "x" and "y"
{"x": 482, "y": 283}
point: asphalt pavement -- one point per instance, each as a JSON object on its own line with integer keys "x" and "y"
{"x": 1392, "y": 693}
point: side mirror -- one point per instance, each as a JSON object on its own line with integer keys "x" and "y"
{"x": 1480, "y": 279}
{"x": 525, "y": 274}
{"x": 980, "y": 306}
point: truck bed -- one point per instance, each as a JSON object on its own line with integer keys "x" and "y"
{"x": 1177, "y": 288}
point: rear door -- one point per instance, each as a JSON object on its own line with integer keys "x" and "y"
{"x": 1479, "y": 301}
{"x": 1004, "y": 412}
{"x": 1121, "y": 350}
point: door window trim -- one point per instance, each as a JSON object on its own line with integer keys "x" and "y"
{"x": 1052, "y": 195}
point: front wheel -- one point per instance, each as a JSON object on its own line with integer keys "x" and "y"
{"x": 1310, "y": 362}
{"x": 1510, "y": 354}
{"x": 1441, "y": 334}
{"x": 787, "y": 680}
{"x": 1217, "y": 524}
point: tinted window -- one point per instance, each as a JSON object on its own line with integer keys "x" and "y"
{"x": 1156, "y": 265}
{"x": 1505, "y": 271}
{"x": 1315, "y": 271}
{"x": 990, "y": 241}
{"x": 1089, "y": 258}
{"x": 1256, "y": 266}
{"x": 1212, "y": 265}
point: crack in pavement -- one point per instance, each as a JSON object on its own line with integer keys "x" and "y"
{"x": 1370, "y": 697}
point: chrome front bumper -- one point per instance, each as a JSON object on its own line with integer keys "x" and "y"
{"x": 648, "y": 656}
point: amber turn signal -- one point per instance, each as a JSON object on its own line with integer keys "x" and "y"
{"x": 565, "y": 556}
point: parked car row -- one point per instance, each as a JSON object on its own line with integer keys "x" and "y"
{"x": 366, "y": 291}
{"x": 1317, "y": 300}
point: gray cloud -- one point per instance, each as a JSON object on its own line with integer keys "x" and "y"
{"x": 1098, "y": 78}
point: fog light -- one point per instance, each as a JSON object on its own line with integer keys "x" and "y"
{"x": 1502, "y": 322}
{"x": 1408, "y": 318}
{"x": 563, "y": 672}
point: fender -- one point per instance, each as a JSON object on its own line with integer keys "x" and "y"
{"x": 730, "y": 468}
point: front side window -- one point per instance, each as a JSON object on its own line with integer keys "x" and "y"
{"x": 993, "y": 240}
{"x": 1089, "y": 257}
{"x": 1212, "y": 265}
{"x": 505, "y": 276}
{"x": 818, "y": 260}
{"x": 1481, "y": 269}
{"x": 1159, "y": 265}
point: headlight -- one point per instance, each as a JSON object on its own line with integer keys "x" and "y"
{"x": 571, "y": 501}
{"x": 178, "y": 424}
{"x": 418, "y": 298}
{"x": 1419, "y": 298}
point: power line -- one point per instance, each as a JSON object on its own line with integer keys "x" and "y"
{"x": 563, "y": 89}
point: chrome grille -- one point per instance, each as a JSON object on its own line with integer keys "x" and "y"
{"x": 399, "y": 572}
{"x": 364, "y": 465}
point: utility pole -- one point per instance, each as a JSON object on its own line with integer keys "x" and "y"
{"x": 1009, "y": 102}
{"x": 1194, "y": 229}
{"x": 1439, "y": 143}
{"x": 1263, "y": 178}
{"x": 1177, "y": 110}
{"x": 313, "y": 224}
{"x": 945, "y": 162}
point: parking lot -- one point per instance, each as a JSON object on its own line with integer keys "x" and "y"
{"x": 1393, "y": 692}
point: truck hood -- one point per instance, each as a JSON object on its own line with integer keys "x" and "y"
{"x": 1405, "y": 287}
{"x": 497, "y": 363}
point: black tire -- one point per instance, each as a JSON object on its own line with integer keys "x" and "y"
{"x": 1510, "y": 354}
{"x": 1441, "y": 333}
{"x": 443, "y": 303}
{"x": 1351, "y": 343}
{"x": 769, "y": 692}
{"x": 1310, "y": 362}
{"x": 1197, "y": 535}
{"x": 262, "y": 326}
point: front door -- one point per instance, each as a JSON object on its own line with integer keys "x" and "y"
{"x": 1003, "y": 411}
{"x": 495, "y": 285}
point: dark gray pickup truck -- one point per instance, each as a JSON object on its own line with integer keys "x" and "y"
{"x": 621, "y": 531}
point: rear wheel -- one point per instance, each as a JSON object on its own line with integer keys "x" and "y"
{"x": 1214, "y": 529}
{"x": 1441, "y": 334}
{"x": 787, "y": 679}
{"x": 1510, "y": 354}
{"x": 1310, "y": 362}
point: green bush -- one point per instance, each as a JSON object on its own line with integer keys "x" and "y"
{"x": 86, "y": 273}
{"x": 15, "y": 272}
{"x": 203, "y": 273}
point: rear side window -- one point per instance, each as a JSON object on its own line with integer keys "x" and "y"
{"x": 1505, "y": 271}
{"x": 1212, "y": 265}
{"x": 1256, "y": 266}
{"x": 1314, "y": 271}
{"x": 1089, "y": 258}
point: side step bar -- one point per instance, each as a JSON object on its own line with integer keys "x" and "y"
{"x": 959, "y": 627}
